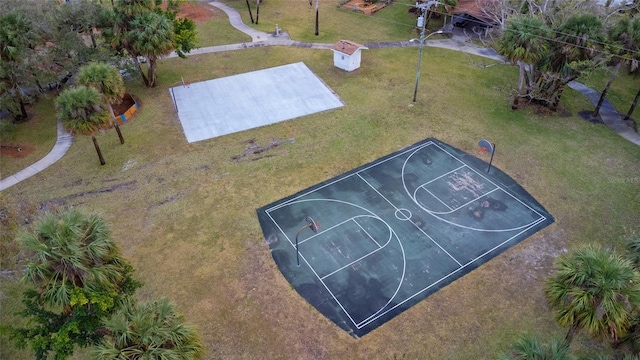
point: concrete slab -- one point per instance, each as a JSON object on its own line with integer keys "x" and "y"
{"x": 236, "y": 103}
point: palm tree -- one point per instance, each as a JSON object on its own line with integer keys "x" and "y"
{"x": 72, "y": 250}
{"x": 152, "y": 36}
{"x": 81, "y": 111}
{"x": 633, "y": 106}
{"x": 594, "y": 290}
{"x": 531, "y": 348}
{"x": 149, "y": 330}
{"x": 626, "y": 36}
{"x": 524, "y": 42}
{"x": 250, "y": 14}
{"x": 108, "y": 81}
{"x": 118, "y": 22}
{"x": 577, "y": 44}
{"x": 77, "y": 279}
{"x": 633, "y": 250}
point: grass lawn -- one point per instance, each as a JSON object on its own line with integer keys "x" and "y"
{"x": 36, "y": 137}
{"x": 184, "y": 213}
{"x": 393, "y": 23}
{"x": 218, "y": 31}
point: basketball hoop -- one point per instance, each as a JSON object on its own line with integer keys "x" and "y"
{"x": 311, "y": 224}
{"x": 485, "y": 146}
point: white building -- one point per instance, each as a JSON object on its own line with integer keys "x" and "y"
{"x": 347, "y": 55}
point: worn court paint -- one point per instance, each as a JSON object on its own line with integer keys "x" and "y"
{"x": 394, "y": 231}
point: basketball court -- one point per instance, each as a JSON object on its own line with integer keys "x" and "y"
{"x": 375, "y": 241}
{"x": 217, "y": 107}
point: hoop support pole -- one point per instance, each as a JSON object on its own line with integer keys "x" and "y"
{"x": 491, "y": 160}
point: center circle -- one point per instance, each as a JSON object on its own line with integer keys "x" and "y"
{"x": 403, "y": 214}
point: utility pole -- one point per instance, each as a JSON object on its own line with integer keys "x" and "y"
{"x": 422, "y": 25}
{"x": 317, "y": 32}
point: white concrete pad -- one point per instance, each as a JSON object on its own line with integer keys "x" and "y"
{"x": 235, "y": 103}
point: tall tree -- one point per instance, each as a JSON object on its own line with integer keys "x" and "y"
{"x": 82, "y": 17}
{"x": 79, "y": 278}
{"x": 625, "y": 35}
{"x": 151, "y": 36}
{"x": 575, "y": 47}
{"x": 594, "y": 290}
{"x": 117, "y": 25}
{"x": 524, "y": 42}
{"x": 108, "y": 81}
{"x": 149, "y": 330}
{"x": 143, "y": 29}
{"x": 17, "y": 44}
{"x": 632, "y": 108}
{"x": 183, "y": 28}
{"x": 250, "y": 14}
{"x": 81, "y": 110}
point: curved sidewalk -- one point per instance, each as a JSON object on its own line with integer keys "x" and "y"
{"x": 61, "y": 146}
{"x": 608, "y": 113}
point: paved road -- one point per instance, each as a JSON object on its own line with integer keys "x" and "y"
{"x": 608, "y": 113}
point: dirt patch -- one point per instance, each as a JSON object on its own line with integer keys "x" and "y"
{"x": 252, "y": 149}
{"x": 364, "y": 7}
{"x": 542, "y": 110}
{"x": 588, "y": 116}
{"x": 197, "y": 12}
{"x": 167, "y": 200}
{"x": 16, "y": 150}
{"x": 62, "y": 201}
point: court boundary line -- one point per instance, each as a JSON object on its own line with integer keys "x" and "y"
{"x": 369, "y": 235}
{"x": 339, "y": 178}
{"x": 434, "y": 213}
{"x": 413, "y": 149}
{"x": 459, "y": 207}
{"x": 395, "y": 207}
{"x": 489, "y": 180}
{"x": 321, "y": 279}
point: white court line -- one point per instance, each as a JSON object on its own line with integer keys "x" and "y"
{"x": 381, "y": 313}
{"x": 366, "y": 232}
{"x": 404, "y": 259}
{"x": 489, "y": 180}
{"x": 435, "y": 179}
{"x": 463, "y": 205}
{"x": 343, "y": 178}
{"x": 395, "y": 207}
{"x": 355, "y": 261}
{"x": 434, "y": 213}
{"x": 442, "y": 279}
{"x": 432, "y": 194}
{"x": 327, "y": 229}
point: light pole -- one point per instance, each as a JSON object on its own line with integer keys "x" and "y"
{"x": 423, "y": 10}
{"x": 422, "y": 38}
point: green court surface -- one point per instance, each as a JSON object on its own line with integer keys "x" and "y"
{"x": 394, "y": 231}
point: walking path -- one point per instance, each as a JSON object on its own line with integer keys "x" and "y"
{"x": 608, "y": 113}
{"x": 59, "y": 149}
